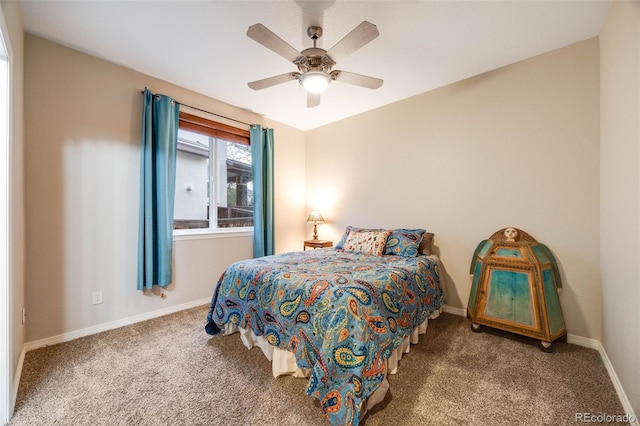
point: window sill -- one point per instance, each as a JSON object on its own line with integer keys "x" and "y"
{"x": 206, "y": 234}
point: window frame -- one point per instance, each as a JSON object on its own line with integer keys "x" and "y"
{"x": 216, "y": 130}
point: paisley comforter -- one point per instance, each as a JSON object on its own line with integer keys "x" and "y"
{"x": 341, "y": 314}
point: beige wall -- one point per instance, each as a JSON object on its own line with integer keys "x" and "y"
{"x": 620, "y": 192}
{"x": 13, "y": 19}
{"x": 517, "y": 146}
{"x": 82, "y": 181}
{"x": 290, "y": 214}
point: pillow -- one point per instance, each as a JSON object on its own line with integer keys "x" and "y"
{"x": 344, "y": 237}
{"x": 425, "y": 245}
{"x": 366, "y": 242}
{"x": 404, "y": 242}
{"x": 346, "y": 234}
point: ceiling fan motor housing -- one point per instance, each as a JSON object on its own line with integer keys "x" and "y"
{"x": 314, "y": 59}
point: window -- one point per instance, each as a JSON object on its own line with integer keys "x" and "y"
{"x": 214, "y": 181}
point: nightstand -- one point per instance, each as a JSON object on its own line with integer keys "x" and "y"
{"x": 317, "y": 244}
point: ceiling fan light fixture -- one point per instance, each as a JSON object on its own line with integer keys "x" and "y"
{"x": 315, "y": 81}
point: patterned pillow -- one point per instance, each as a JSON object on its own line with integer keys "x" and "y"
{"x": 404, "y": 242}
{"x": 344, "y": 237}
{"x": 366, "y": 242}
{"x": 346, "y": 234}
{"x": 425, "y": 245}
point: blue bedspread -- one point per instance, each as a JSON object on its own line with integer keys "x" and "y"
{"x": 342, "y": 314}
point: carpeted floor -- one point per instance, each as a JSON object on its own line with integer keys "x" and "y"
{"x": 167, "y": 371}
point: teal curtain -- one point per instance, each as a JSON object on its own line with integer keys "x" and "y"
{"x": 262, "y": 166}
{"x": 157, "y": 189}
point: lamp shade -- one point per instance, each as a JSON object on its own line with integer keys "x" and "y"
{"x": 315, "y": 81}
{"x": 315, "y": 216}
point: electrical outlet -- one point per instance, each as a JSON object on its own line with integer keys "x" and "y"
{"x": 97, "y": 297}
{"x": 24, "y": 315}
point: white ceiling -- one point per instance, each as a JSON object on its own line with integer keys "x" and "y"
{"x": 202, "y": 45}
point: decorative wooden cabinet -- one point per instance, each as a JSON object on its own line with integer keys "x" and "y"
{"x": 514, "y": 288}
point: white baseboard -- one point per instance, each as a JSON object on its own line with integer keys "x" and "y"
{"x": 455, "y": 311}
{"x": 585, "y": 342}
{"x": 16, "y": 382}
{"x": 626, "y": 404}
{"x": 65, "y": 337}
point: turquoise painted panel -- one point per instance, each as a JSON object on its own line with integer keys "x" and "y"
{"x": 485, "y": 249}
{"x": 541, "y": 254}
{"x": 544, "y": 255}
{"x": 554, "y": 313}
{"x": 479, "y": 253}
{"x": 474, "y": 287}
{"x": 509, "y": 298}
{"x": 505, "y": 252}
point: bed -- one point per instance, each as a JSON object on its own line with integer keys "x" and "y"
{"x": 341, "y": 316}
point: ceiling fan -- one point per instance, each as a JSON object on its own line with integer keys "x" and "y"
{"x": 315, "y": 64}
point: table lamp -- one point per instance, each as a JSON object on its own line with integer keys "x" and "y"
{"x": 316, "y": 217}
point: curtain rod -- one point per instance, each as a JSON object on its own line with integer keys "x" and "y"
{"x": 208, "y": 112}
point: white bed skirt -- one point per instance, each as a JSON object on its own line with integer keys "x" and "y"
{"x": 283, "y": 363}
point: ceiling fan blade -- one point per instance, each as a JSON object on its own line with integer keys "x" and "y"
{"x": 268, "y": 39}
{"x": 357, "y": 79}
{"x": 272, "y": 81}
{"x": 358, "y": 37}
{"x": 313, "y": 99}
